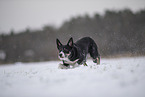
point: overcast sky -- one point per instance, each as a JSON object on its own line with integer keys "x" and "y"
{"x": 21, "y": 14}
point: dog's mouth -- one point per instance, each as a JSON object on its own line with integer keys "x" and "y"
{"x": 62, "y": 58}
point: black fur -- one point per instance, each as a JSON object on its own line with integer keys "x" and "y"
{"x": 78, "y": 51}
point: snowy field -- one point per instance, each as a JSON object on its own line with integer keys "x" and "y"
{"x": 119, "y": 77}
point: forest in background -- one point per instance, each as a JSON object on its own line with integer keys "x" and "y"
{"x": 115, "y": 32}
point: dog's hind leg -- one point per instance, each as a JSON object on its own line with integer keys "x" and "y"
{"x": 97, "y": 60}
{"x": 94, "y": 53}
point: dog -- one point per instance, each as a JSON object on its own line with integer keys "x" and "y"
{"x": 76, "y": 53}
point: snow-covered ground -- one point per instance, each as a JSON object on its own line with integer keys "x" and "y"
{"x": 119, "y": 77}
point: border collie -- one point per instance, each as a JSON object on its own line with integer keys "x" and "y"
{"x": 73, "y": 53}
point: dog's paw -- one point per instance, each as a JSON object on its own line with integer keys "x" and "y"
{"x": 61, "y": 66}
{"x": 97, "y": 60}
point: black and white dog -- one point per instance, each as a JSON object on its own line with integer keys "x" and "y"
{"x": 73, "y": 53}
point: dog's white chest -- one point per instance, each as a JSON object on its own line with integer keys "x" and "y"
{"x": 67, "y": 61}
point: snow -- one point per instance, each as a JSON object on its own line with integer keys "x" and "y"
{"x": 118, "y": 77}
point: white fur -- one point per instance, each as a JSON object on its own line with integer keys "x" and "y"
{"x": 71, "y": 62}
{"x": 65, "y": 58}
{"x": 67, "y": 61}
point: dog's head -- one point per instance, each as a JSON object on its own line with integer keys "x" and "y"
{"x": 64, "y": 50}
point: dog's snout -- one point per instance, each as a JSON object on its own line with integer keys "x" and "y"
{"x": 60, "y": 55}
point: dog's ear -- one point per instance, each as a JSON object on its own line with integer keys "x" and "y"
{"x": 70, "y": 42}
{"x": 58, "y": 43}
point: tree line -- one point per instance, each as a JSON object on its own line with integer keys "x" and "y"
{"x": 115, "y": 32}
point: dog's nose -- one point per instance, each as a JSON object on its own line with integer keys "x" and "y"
{"x": 60, "y": 55}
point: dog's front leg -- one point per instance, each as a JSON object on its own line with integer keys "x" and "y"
{"x": 85, "y": 64}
